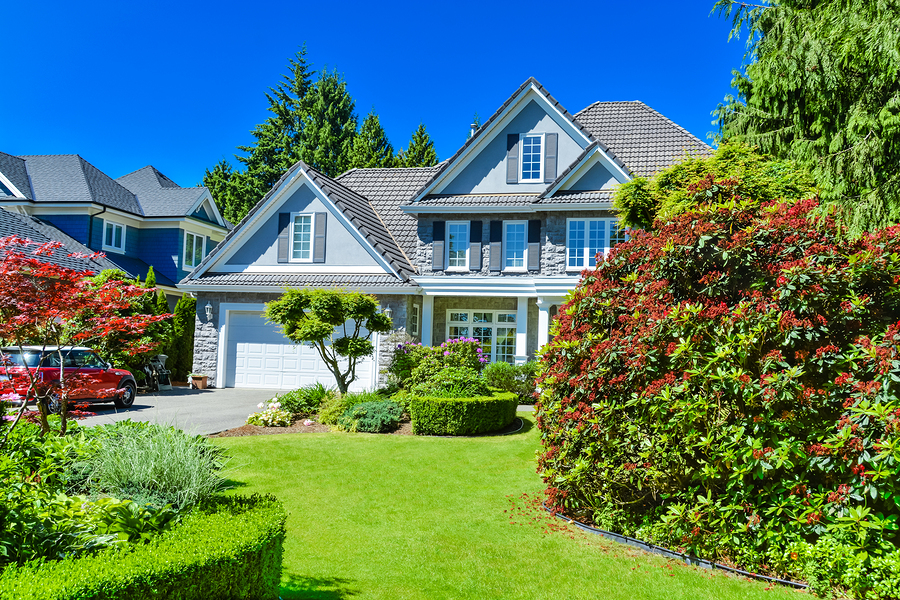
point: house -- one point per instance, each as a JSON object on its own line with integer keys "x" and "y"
{"x": 485, "y": 245}
{"x": 138, "y": 220}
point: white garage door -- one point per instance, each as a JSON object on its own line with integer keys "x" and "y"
{"x": 259, "y": 356}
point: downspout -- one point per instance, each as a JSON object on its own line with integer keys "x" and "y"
{"x": 91, "y": 229}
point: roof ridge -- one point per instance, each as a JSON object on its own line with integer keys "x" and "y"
{"x": 656, "y": 112}
{"x": 91, "y": 189}
{"x": 135, "y": 171}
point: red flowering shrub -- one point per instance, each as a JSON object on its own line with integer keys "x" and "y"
{"x": 729, "y": 384}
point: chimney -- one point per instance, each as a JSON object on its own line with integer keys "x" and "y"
{"x": 473, "y": 128}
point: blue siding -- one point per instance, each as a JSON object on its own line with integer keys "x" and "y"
{"x": 73, "y": 225}
{"x": 162, "y": 249}
{"x": 132, "y": 241}
{"x": 96, "y": 234}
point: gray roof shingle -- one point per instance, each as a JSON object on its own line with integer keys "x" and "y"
{"x": 70, "y": 178}
{"x": 13, "y": 168}
{"x": 158, "y": 195}
{"x": 642, "y": 138}
{"x": 579, "y": 197}
{"x": 485, "y": 200}
{"x": 387, "y": 190}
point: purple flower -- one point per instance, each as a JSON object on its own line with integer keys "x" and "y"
{"x": 478, "y": 350}
{"x": 446, "y": 354}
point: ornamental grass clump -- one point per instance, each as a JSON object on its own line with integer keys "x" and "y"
{"x": 728, "y": 385}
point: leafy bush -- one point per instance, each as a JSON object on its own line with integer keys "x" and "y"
{"x": 335, "y": 406}
{"x": 452, "y": 382}
{"x": 271, "y": 415}
{"x": 305, "y": 401}
{"x": 413, "y": 363}
{"x": 228, "y": 547}
{"x": 509, "y": 378}
{"x": 729, "y": 384}
{"x": 372, "y": 417}
{"x": 462, "y": 416}
{"x": 156, "y": 464}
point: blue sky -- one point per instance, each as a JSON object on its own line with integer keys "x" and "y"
{"x": 180, "y": 84}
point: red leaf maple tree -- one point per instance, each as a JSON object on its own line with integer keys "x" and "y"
{"x": 47, "y": 304}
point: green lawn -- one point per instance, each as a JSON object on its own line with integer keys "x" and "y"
{"x": 380, "y": 516}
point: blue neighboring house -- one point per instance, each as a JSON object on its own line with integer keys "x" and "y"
{"x": 138, "y": 220}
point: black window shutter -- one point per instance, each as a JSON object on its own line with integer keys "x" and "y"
{"x": 437, "y": 246}
{"x": 496, "y": 246}
{"x": 284, "y": 241}
{"x": 551, "y": 143}
{"x": 512, "y": 158}
{"x": 534, "y": 245}
{"x": 475, "y": 246}
{"x": 319, "y": 238}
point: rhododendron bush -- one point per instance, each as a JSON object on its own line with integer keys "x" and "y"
{"x": 728, "y": 384}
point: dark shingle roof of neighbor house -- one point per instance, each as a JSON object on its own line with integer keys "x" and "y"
{"x": 642, "y": 138}
{"x": 298, "y": 280}
{"x": 158, "y": 195}
{"x": 13, "y": 168}
{"x": 37, "y": 231}
{"x": 387, "y": 190}
{"x": 70, "y": 178}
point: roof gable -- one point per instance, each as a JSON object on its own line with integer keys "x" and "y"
{"x": 159, "y": 196}
{"x": 303, "y": 186}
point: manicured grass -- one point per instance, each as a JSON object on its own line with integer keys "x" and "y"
{"x": 394, "y": 517}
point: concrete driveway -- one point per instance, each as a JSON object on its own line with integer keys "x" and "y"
{"x": 195, "y": 411}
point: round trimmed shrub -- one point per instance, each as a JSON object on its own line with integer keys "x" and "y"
{"x": 500, "y": 375}
{"x": 728, "y": 384}
{"x": 462, "y": 416}
{"x": 452, "y": 382}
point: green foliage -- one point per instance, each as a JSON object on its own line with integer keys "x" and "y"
{"x": 334, "y": 407}
{"x": 339, "y": 324}
{"x": 229, "y": 547}
{"x": 271, "y": 415}
{"x": 329, "y": 125}
{"x": 728, "y": 384}
{"x": 181, "y": 361}
{"x": 372, "y": 417}
{"x": 452, "y": 382}
{"x": 462, "y": 416}
{"x": 371, "y": 148}
{"x": 304, "y": 402}
{"x": 509, "y": 378}
{"x": 683, "y": 186}
{"x": 420, "y": 152}
{"x": 820, "y": 87}
{"x": 154, "y": 464}
{"x": 413, "y": 364}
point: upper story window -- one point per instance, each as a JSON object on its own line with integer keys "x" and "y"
{"x": 301, "y": 238}
{"x": 514, "y": 244}
{"x": 193, "y": 249}
{"x": 114, "y": 236}
{"x": 458, "y": 245}
{"x": 532, "y": 157}
{"x": 586, "y": 238}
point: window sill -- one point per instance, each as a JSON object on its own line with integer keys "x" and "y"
{"x": 112, "y": 249}
{"x": 457, "y": 270}
{"x": 515, "y": 270}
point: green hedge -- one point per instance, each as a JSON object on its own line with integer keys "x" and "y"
{"x": 227, "y": 548}
{"x": 462, "y": 416}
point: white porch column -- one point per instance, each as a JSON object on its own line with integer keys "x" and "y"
{"x": 521, "y": 329}
{"x": 427, "y": 319}
{"x": 543, "y": 332}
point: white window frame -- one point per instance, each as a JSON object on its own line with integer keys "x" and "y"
{"x": 495, "y": 324}
{"x": 465, "y": 265}
{"x": 114, "y": 224}
{"x": 540, "y": 177}
{"x": 524, "y": 266}
{"x": 585, "y": 247}
{"x": 415, "y": 320}
{"x": 184, "y": 261}
{"x": 312, "y": 237}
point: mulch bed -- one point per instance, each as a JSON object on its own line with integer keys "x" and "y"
{"x": 298, "y": 427}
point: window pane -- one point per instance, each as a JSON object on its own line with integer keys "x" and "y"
{"x": 198, "y": 250}
{"x": 458, "y": 244}
{"x": 458, "y": 332}
{"x": 109, "y": 234}
{"x": 118, "y": 231}
{"x": 515, "y": 244}
{"x": 485, "y": 336}
{"x": 597, "y": 241}
{"x": 302, "y": 243}
{"x": 506, "y": 344}
{"x": 506, "y": 318}
{"x": 459, "y": 317}
{"x": 531, "y": 157}
{"x": 617, "y": 234}
{"x": 576, "y": 244}
{"x": 482, "y": 317}
{"x": 188, "y": 250}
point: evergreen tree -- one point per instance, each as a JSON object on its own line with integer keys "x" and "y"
{"x": 821, "y": 88}
{"x": 181, "y": 359}
{"x": 329, "y": 127}
{"x": 420, "y": 152}
{"x": 151, "y": 278}
{"x": 371, "y": 148}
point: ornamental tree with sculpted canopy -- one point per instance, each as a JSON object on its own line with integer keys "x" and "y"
{"x": 52, "y": 305}
{"x": 337, "y": 323}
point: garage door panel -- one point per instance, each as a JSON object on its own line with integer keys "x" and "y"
{"x": 258, "y": 355}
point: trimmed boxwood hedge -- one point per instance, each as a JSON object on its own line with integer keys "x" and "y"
{"x": 462, "y": 416}
{"x": 228, "y": 548}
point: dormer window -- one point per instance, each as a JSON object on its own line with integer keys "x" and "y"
{"x": 114, "y": 236}
{"x": 532, "y": 158}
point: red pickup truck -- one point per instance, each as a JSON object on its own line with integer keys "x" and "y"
{"x": 94, "y": 378}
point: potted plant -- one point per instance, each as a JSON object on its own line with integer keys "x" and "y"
{"x": 198, "y": 381}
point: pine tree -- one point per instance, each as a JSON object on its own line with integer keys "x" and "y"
{"x": 420, "y": 152}
{"x": 181, "y": 358}
{"x": 151, "y": 278}
{"x": 329, "y": 127}
{"x": 821, "y": 88}
{"x": 371, "y": 148}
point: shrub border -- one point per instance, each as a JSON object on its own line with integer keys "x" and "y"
{"x": 484, "y": 403}
{"x": 688, "y": 559}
